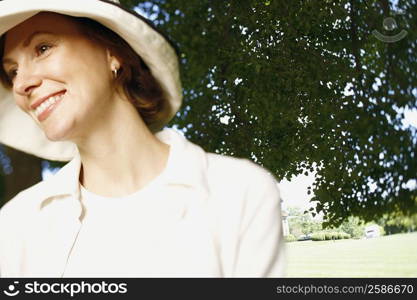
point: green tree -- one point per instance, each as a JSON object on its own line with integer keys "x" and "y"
{"x": 353, "y": 226}
{"x": 303, "y": 86}
{"x": 398, "y": 223}
{"x": 301, "y": 223}
{"x": 18, "y": 171}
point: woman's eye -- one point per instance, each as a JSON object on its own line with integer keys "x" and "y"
{"x": 12, "y": 74}
{"x": 41, "y": 49}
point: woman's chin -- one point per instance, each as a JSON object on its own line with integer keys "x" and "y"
{"x": 56, "y": 138}
{"x": 57, "y": 134}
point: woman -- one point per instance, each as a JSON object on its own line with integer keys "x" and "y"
{"x": 90, "y": 82}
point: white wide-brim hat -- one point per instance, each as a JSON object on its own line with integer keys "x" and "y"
{"x": 18, "y": 130}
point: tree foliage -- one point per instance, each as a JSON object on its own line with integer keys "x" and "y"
{"x": 353, "y": 226}
{"x": 303, "y": 86}
{"x": 301, "y": 223}
{"x": 18, "y": 171}
{"x": 398, "y": 223}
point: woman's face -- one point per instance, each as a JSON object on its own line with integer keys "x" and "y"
{"x": 60, "y": 78}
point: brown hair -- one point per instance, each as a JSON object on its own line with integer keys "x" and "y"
{"x": 134, "y": 76}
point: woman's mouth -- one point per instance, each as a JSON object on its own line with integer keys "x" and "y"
{"x": 43, "y": 111}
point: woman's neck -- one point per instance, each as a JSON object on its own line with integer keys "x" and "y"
{"x": 121, "y": 155}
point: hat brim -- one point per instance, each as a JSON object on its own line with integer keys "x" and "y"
{"x": 19, "y": 131}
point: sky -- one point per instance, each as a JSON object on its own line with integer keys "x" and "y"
{"x": 294, "y": 192}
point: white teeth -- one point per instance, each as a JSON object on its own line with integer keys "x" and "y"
{"x": 41, "y": 108}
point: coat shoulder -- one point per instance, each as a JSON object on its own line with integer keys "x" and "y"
{"x": 239, "y": 181}
{"x": 231, "y": 170}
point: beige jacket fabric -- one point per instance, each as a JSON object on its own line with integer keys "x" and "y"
{"x": 217, "y": 217}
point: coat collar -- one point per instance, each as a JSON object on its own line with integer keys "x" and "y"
{"x": 187, "y": 166}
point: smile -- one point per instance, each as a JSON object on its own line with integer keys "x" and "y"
{"x": 48, "y": 103}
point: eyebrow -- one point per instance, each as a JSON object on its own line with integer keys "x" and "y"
{"x": 26, "y": 43}
{"x": 32, "y": 36}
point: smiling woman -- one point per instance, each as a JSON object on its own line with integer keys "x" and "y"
{"x": 135, "y": 77}
{"x": 55, "y": 72}
{"x": 135, "y": 200}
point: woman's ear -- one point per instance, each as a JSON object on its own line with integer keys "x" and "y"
{"x": 114, "y": 62}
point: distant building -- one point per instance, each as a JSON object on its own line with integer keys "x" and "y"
{"x": 372, "y": 231}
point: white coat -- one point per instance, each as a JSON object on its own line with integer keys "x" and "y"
{"x": 219, "y": 217}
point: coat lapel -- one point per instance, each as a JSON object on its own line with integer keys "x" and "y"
{"x": 52, "y": 238}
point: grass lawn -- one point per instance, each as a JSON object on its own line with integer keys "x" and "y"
{"x": 387, "y": 256}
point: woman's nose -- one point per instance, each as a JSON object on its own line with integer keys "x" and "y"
{"x": 25, "y": 81}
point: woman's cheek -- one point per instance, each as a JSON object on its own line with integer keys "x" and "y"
{"x": 21, "y": 104}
